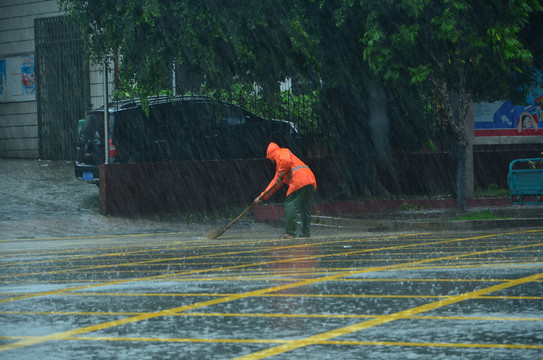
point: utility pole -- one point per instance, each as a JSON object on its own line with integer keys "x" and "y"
{"x": 174, "y": 90}
{"x": 106, "y": 116}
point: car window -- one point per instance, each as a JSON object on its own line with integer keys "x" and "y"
{"x": 161, "y": 119}
{"x": 230, "y": 116}
{"x": 196, "y": 117}
{"x": 93, "y": 123}
{"x": 131, "y": 132}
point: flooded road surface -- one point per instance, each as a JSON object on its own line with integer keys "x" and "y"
{"x": 175, "y": 295}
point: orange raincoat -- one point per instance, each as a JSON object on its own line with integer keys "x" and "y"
{"x": 289, "y": 170}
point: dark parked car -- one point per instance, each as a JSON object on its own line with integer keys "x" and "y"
{"x": 177, "y": 129}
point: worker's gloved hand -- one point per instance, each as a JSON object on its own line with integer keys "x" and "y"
{"x": 258, "y": 200}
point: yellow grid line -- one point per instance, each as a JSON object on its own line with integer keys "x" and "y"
{"x": 288, "y": 342}
{"x": 200, "y": 271}
{"x": 292, "y": 295}
{"x": 311, "y": 339}
{"x": 229, "y": 253}
{"x": 284, "y": 315}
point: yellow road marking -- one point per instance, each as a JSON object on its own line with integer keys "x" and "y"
{"x": 284, "y": 275}
{"x": 486, "y": 266}
{"x": 386, "y": 319}
{"x": 338, "y": 342}
{"x": 309, "y": 340}
{"x": 285, "y": 341}
{"x": 354, "y": 296}
{"x": 278, "y": 315}
{"x": 188, "y": 272}
{"x": 214, "y": 255}
{"x": 218, "y": 255}
{"x": 145, "y": 250}
{"x": 88, "y": 237}
{"x": 229, "y": 267}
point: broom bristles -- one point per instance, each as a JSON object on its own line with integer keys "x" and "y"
{"x": 215, "y": 234}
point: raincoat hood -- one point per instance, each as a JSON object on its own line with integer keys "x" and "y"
{"x": 272, "y": 148}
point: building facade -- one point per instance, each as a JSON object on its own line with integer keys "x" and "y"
{"x": 46, "y": 82}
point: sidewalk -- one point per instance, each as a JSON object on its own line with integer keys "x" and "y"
{"x": 415, "y": 214}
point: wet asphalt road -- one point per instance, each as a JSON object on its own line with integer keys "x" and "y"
{"x": 78, "y": 285}
{"x": 353, "y": 296}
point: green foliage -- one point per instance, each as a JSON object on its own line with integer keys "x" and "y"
{"x": 479, "y": 215}
{"x": 263, "y": 42}
{"x": 418, "y": 51}
{"x": 446, "y": 42}
{"x": 302, "y": 109}
{"x": 420, "y": 73}
{"x": 491, "y": 192}
{"x": 408, "y": 207}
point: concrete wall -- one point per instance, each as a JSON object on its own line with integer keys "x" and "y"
{"x": 195, "y": 186}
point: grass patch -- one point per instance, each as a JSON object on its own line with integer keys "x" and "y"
{"x": 408, "y": 207}
{"x": 480, "y": 215}
{"x": 492, "y": 192}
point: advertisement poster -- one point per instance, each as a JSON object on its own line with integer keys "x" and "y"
{"x": 17, "y": 79}
{"x": 28, "y": 75}
{"x": 505, "y": 119}
{"x": 2, "y": 76}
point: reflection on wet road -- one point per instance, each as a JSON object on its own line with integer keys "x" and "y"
{"x": 173, "y": 295}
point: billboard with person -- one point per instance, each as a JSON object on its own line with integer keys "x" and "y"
{"x": 505, "y": 122}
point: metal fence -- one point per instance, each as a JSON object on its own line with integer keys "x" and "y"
{"x": 63, "y": 93}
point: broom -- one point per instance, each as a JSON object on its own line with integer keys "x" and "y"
{"x": 215, "y": 234}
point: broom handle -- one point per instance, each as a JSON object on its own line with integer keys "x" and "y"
{"x": 240, "y": 216}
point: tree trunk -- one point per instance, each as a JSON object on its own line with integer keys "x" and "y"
{"x": 461, "y": 193}
{"x": 459, "y": 102}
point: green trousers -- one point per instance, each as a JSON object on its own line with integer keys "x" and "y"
{"x": 299, "y": 201}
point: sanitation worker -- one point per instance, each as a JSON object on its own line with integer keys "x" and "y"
{"x": 301, "y": 185}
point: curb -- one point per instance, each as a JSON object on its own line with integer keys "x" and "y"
{"x": 429, "y": 215}
{"x": 425, "y": 224}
